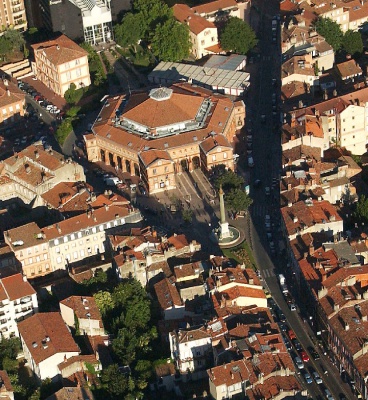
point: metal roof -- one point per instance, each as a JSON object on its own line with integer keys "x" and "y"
{"x": 203, "y": 76}
{"x": 230, "y": 63}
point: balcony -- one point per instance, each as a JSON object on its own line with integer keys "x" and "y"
{"x": 16, "y": 2}
{"x": 18, "y": 11}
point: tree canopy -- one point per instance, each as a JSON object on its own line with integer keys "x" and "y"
{"x": 361, "y": 211}
{"x": 237, "y": 36}
{"x": 130, "y": 30}
{"x": 352, "y": 43}
{"x": 237, "y": 200}
{"x": 171, "y": 41}
{"x": 228, "y": 180}
{"x": 331, "y": 31}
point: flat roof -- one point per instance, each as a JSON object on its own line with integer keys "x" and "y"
{"x": 210, "y": 77}
{"x": 228, "y": 63}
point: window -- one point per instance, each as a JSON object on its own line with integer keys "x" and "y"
{"x": 154, "y": 171}
{"x": 17, "y": 107}
{"x": 79, "y": 235}
{"x": 4, "y": 111}
{"x": 39, "y": 269}
{"x": 11, "y": 109}
{"x": 57, "y": 250}
{"x": 30, "y": 260}
{"x": 166, "y": 169}
{"x": 225, "y": 155}
{"x": 77, "y": 62}
{"x": 56, "y": 242}
{"x": 78, "y": 72}
{"x": 94, "y": 230}
{"x": 72, "y": 236}
{"x": 68, "y": 76}
{"x": 82, "y": 253}
{"x": 214, "y": 157}
{"x": 47, "y": 267}
{"x": 65, "y": 239}
{"x": 101, "y": 228}
{"x": 108, "y": 225}
{"x": 75, "y": 255}
{"x": 29, "y": 251}
{"x": 38, "y": 259}
{"x": 58, "y": 260}
{"x": 352, "y": 117}
{"x": 45, "y": 256}
{"x": 89, "y": 250}
{"x": 202, "y": 42}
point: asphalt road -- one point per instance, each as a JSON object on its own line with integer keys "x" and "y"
{"x": 266, "y": 147}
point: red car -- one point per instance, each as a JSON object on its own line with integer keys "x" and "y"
{"x": 304, "y": 356}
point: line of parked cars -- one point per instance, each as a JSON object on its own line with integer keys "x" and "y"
{"x": 41, "y": 100}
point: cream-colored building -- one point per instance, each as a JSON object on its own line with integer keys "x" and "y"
{"x": 159, "y": 134}
{"x": 31, "y": 249}
{"x": 59, "y": 63}
{"x": 13, "y": 15}
{"x": 203, "y": 33}
{"x": 82, "y": 312}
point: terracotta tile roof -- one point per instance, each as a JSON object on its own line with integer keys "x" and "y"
{"x": 296, "y": 65}
{"x": 192, "y": 334}
{"x": 234, "y": 293}
{"x": 216, "y": 48}
{"x": 196, "y": 23}
{"x": 293, "y": 89}
{"x": 213, "y": 142}
{"x": 151, "y": 156}
{"x": 214, "y": 6}
{"x": 35, "y": 329}
{"x": 178, "y": 241}
{"x": 236, "y": 275}
{"x": 24, "y": 236}
{"x": 188, "y": 270}
{"x": 299, "y": 152}
{"x": 36, "y": 155}
{"x": 10, "y": 94}
{"x": 301, "y": 215}
{"x": 349, "y": 68}
{"x": 81, "y": 359}
{"x": 152, "y": 113}
{"x": 83, "y": 305}
{"x": 167, "y": 294}
{"x": 85, "y": 221}
{"x": 287, "y": 5}
{"x": 6, "y": 381}
{"x": 60, "y": 50}
{"x": 16, "y": 288}
{"x": 273, "y": 387}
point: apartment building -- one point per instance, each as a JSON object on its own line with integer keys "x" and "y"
{"x": 169, "y": 124}
{"x": 82, "y": 312}
{"x": 203, "y": 33}
{"x": 12, "y": 102}
{"x": 191, "y": 349}
{"x": 60, "y": 63}
{"x": 89, "y": 21}
{"x": 13, "y": 15}
{"x": 46, "y": 342}
{"x": 29, "y": 174}
{"x": 31, "y": 249}
{"x": 299, "y": 69}
{"x": 18, "y": 300}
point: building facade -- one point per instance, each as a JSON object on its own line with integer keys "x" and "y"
{"x": 158, "y": 134}
{"x": 13, "y": 15}
{"x": 60, "y": 63}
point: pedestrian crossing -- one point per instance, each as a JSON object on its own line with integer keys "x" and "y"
{"x": 267, "y": 273}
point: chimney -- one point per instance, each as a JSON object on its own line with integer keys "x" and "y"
{"x": 58, "y": 228}
{"x": 251, "y": 281}
{"x": 8, "y": 92}
{"x": 106, "y": 207}
{"x": 295, "y": 219}
{"x": 24, "y": 278}
{"x": 289, "y": 186}
{"x": 347, "y": 327}
{"x": 37, "y": 155}
{"x": 337, "y": 308}
{"x": 290, "y": 204}
{"x": 311, "y": 248}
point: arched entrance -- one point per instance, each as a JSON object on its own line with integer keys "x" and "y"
{"x": 111, "y": 159}
{"x": 196, "y": 162}
{"x": 184, "y": 164}
{"x": 120, "y": 165}
{"x": 127, "y": 166}
{"x": 136, "y": 170}
{"x": 103, "y": 156}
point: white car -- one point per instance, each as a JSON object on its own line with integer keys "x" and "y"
{"x": 317, "y": 378}
{"x": 49, "y": 107}
{"x": 299, "y": 363}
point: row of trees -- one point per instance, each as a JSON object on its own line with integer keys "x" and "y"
{"x": 12, "y": 41}
{"x": 351, "y": 42}
{"x": 153, "y": 22}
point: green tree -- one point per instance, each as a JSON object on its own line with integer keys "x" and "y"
{"x": 5, "y": 47}
{"x": 187, "y": 215}
{"x": 237, "y": 200}
{"x": 9, "y": 348}
{"x": 130, "y": 30}
{"x": 152, "y": 13}
{"x": 9, "y": 364}
{"x": 228, "y": 180}
{"x": 116, "y": 383}
{"x": 171, "y": 41}
{"x": 15, "y": 38}
{"x": 352, "y": 43}
{"x": 104, "y": 301}
{"x": 237, "y": 36}
{"x": 361, "y": 211}
{"x": 70, "y": 94}
{"x": 331, "y": 31}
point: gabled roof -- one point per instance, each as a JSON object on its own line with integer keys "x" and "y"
{"x": 214, "y": 6}
{"x": 151, "y": 156}
{"x": 167, "y": 294}
{"x": 45, "y": 334}
{"x": 213, "y": 142}
{"x": 349, "y": 68}
{"x": 84, "y": 307}
{"x": 16, "y": 287}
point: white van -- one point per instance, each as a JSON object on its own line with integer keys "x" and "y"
{"x": 250, "y": 162}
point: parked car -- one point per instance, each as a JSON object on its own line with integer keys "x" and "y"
{"x": 292, "y": 307}
{"x": 267, "y": 191}
{"x": 328, "y": 394}
{"x": 297, "y": 344}
{"x": 313, "y": 352}
{"x": 299, "y": 362}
